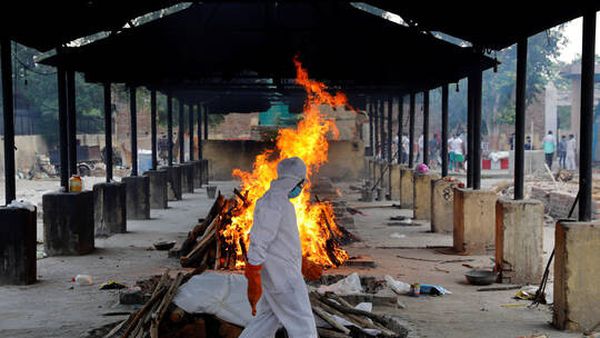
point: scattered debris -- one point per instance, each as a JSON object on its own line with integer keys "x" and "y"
{"x": 499, "y": 288}
{"x": 361, "y": 261}
{"x": 131, "y": 296}
{"x": 399, "y": 287}
{"x": 347, "y": 286}
{"x": 397, "y": 236}
{"x": 83, "y": 280}
{"x": 112, "y": 285}
{"x": 164, "y": 245}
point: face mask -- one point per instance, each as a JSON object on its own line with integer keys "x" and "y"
{"x": 295, "y": 192}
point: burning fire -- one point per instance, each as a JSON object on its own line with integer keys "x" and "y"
{"x": 308, "y": 141}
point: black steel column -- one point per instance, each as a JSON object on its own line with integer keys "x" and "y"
{"x": 180, "y": 137}
{"x": 426, "y": 127}
{"x": 469, "y": 155}
{"x": 376, "y": 127}
{"x": 205, "y": 122}
{"x": 444, "y": 136}
{"x": 389, "y": 130}
{"x": 191, "y": 125}
{"x": 71, "y": 122}
{"x": 10, "y": 189}
{"x": 400, "y": 119}
{"x": 200, "y": 109}
{"x": 153, "y": 130}
{"x": 519, "y": 141}
{"x": 133, "y": 116}
{"x": 108, "y": 160}
{"x": 586, "y": 116}
{"x": 411, "y": 131}
{"x": 477, "y": 130}
{"x": 170, "y": 128}
{"x": 63, "y": 127}
{"x": 381, "y": 107}
{"x": 370, "y": 113}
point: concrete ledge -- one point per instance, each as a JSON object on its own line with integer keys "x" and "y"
{"x": 68, "y": 223}
{"x": 187, "y": 177}
{"x": 442, "y": 206}
{"x": 395, "y": 182}
{"x": 173, "y": 182}
{"x": 18, "y": 261}
{"x": 520, "y": 241}
{"x": 406, "y": 188}
{"x": 474, "y": 219}
{"x": 576, "y": 275}
{"x": 138, "y": 196}
{"x": 158, "y": 188}
{"x": 110, "y": 208}
{"x": 422, "y": 195}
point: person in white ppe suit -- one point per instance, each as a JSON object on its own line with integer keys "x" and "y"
{"x": 276, "y": 289}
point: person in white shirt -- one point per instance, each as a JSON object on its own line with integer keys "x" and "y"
{"x": 571, "y": 151}
{"x": 451, "y": 153}
{"x": 457, "y": 148}
{"x": 405, "y": 148}
{"x": 420, "y": 154}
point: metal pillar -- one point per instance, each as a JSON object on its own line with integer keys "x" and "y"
{"x": 476, "y": 164}
{"x": 519, "y": 142}
{"x": 444, "y": 136}
{"x": 411, "y": 131}
{"x": 108, "y": 155}
{"x": 375, "y": 129}
{"x": 153, "y": 129}
{"x": 191, "y": 131}
{"x": 170, "y": 128}
{"x": 400, "y": 119}
{"x": 370, "y": 112}
{"x": 382, "y": 137}
{"x": 10, "y": 190}
{"x": 71, "y": 122}
{"x": 389, "y": 130}
{"x": 586, "y": 115}
{"x": 426, "y": 127}
{"x": 63, "y": 127}
{"x": 470, "y": 131}
{"x": 180, "y": 137}
{"x": 205, "y": 122}
{"x": 133, "y": 116}
{"x": 200, "y": 109}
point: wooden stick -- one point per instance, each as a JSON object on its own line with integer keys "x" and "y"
{"x": 326, "y": 333}
{"x": 346, "y": 309}
{"x": 329, "y": 319}
{"x": 500, "y": 288}
{"x": 419, "y": 259}
{"x": 164, "y": 304}
{"x": 206, "y": 239}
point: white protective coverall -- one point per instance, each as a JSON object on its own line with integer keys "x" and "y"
{"x": 275, "y": 244}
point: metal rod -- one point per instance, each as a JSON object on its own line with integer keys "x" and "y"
{"x": 586, "y": 115}
{"x": 400, "y": 120}
{"x": 476, "y": 164}
{"x": 382, "y": 137}
{"x": 411, "y": 131}
{"x": 63, "y": 127}
{"x": 200, "y": 109}
{"x": 180, "y": 137}
{"x": 191, "y": 131}
{"x": 71, "y": 122}
{"x": 519, "y": 141}
{"x": 10, "y": 190}
{"x": 153, "y": 129}
{"x": 205, "y": 122}
{"x": 371, "y": 124}
{"x": 426, "y": 127}
{"x": 389, "y": 130}
{"x": 133, "y": 116}
{"x": 376, "y": 128}
{"x": 470, "y": 131}
{"x": 445, "y": 137}
{"x": 170, "y": 128}
{"x": 108, "y": 132}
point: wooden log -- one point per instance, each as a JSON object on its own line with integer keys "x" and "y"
{"x": 351, "y": 310}
{"x": 137, "y": 319}
{"x": 200, "y": 229}
{"x": 326, "y": 333}
{"x": 205, "y": 241}
{"x": 329, "y": 319}
{"x": 163, "y": 305}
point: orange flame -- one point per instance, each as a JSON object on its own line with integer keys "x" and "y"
{"x": 316, "y": 221}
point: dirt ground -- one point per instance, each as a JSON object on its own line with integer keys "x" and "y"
{"x": 56, "y": 307}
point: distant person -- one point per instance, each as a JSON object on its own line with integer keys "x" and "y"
{"x": 562, "y": 152}
{"x": 528, "y": 145}
{"x": 511, "y": 141}
{"x": 405, "y": 148}
{"x": 457, "y": 148}
{"x": 549, "y": 148}
{"x": 571, "y": 152}
{"x": 451, "y": 153}
{"x": 420, "y": 152}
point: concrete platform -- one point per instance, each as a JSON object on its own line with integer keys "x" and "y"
{"x": 138, "y": 196}
{"x": 110, "y": 208}
{"x": 68, "y": 223}
{"x": 394, "y": 177}
{"x": 422, "y": 195}
{"x": 197, "y": 174}
{"x": 474, "y": 220}
{"x": 406, "y": 188}
{"x": 187, "y": 177}
{"x": 576, "y": 275}
{"x": 442, "y": 206}
{"x": 173, "y": 182}
{"x": 18, "y": 261}
{"x": 158, "y": 188}
{"x": 520, "y": 241}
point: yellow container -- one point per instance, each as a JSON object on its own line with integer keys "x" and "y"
{"x": 75, "y": 183}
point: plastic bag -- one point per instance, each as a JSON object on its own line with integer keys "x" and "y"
{"x": 347, "y": 286}
{"x": 398, "y": 287}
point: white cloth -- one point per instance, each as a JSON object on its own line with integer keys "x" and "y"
{"x": 456, "y": 145}
{"x": 571, "y": 150}
{"x": 275, "y": 244}
{"x": 405, "y": 144}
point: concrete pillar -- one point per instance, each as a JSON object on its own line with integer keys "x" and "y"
{"x": 187, "y": 177}
{"x": 68, "y": 223}
{"x": 406, "y": 188}
{"x": 474, "y": 219}
{"x": 197, "y": 174}
{"x": 205, "y": 170}
{"x": 520, "y": 240}
{"x": 576, "y": 275}
{"x": 173, "y": 182}
{"x": 110, "y": 208}
{"x": 422, "y": 195}
{"x": 442, "y": 206}
{"x": 18, "y": 237}
{"x": 395, "y": 182}
{"x": 384, "y": 178}
{"x": 138, "y": 196}
{"x": 158, "y": 188}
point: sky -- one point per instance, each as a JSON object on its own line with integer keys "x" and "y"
{"x": 573, "y": 34}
